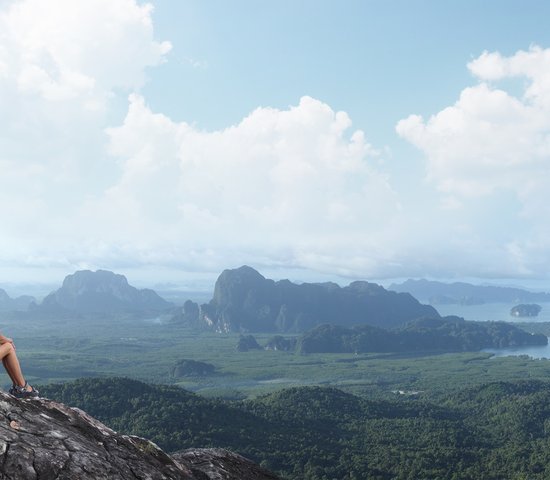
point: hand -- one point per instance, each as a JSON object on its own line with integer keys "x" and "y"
{"x": 6, "y": 340}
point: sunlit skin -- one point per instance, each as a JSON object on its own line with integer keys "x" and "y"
{"x": 11, "y": 362}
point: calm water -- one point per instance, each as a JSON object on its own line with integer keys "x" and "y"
{"x": 500, "y": 312}
{"x": 492, "y": 311}
{"x": 533, "y": 352}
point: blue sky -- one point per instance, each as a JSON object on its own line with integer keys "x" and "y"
{"x": 310, "y": 139}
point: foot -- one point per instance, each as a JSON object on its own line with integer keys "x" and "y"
{"x": 23, "y": 391}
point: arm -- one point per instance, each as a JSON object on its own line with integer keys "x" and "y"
{"x": 5, "y": 340}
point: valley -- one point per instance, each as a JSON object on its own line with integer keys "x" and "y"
{"x": 147, "y": 350}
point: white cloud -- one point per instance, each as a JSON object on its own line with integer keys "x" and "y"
{"x": 290, "y": 185}
{"x": 491, "y": 142}
{"x": 63, "y": 50}
{"x": 62, "y": 66}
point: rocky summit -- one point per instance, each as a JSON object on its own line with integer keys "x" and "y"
{"x": 45, "y": 440}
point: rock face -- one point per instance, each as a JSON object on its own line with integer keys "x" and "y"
{"x": 45, "y": 440}
{"x": 219, "y": 464}
{"x": 41, "y": 439}
{"x": 245, "y": 301}
{"x": 101, "y": 292}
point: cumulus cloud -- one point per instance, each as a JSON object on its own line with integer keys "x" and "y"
{"x": 64, "y": 50}
{"x": 493, "y": 142}
{"x": 63, "y": 64}
{"x": 292, "y": 185}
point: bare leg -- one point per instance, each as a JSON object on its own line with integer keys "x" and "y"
{"x": 11, "y": 364}
{"x": 5, "y": 362}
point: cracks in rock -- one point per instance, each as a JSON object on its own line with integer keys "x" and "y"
{"x": 133, "y": 473}
{"x": 5, "y": 454}
{"x": 63, "y": 468}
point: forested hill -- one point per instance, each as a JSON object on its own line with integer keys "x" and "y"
{"x": 465, "y": 293}
{"x": 244, "y": 300}
{"x": 493, "y": 431}
{"x": 448, "y": 334}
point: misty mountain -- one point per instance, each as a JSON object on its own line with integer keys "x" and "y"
{"x": 465, "y": 293}
{"x": 246, "y": 301}
{"x": 447, "y": 334}
{"x": 8, "y": 304}
{"x": 101, "y": 292}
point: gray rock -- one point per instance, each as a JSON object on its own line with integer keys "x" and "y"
{"x": 44, "y": 440}
{"x": 220, "y": 464}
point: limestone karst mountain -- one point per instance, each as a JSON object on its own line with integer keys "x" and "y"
{"x": 45, "y": 440}
{"x": 101, "y": 292}
{"x": 244, "y": 301}
{"x": 8, "y": 304}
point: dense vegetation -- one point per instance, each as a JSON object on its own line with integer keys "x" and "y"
{"x": 525, "y": 310}
{"x": 494, "y": 431}
{"x": 449, "y": 334}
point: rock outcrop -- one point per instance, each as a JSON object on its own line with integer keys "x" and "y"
{"x": 45, "y": 440}
{"x": 192, "y": 368}
{"x": 245, "y": 301}
{"x": 101, "y": 292}
{"x": 220, "y": 464}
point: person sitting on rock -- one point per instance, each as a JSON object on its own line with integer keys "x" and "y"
{"x": 20, "y": 388}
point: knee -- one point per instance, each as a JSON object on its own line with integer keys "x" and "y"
{"x": 8, "y": 347}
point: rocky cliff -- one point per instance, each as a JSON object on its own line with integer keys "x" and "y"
{"x": 101, "y": 292}
{"x": 244, "y": 301}
{"x": 44, "y": 440}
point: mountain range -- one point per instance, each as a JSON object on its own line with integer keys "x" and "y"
{"x": 8, "y": 304}
{"x": 465, "y": 293}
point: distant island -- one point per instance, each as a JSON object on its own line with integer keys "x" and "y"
{"x": 460, "y": 293}
{"x": 526, "y": 310}
{"x": 447, "y": 334}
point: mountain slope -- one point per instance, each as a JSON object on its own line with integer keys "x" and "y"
{"x": 101, "y": 292}
{"x": 244, "y": 300}
{"x": 8, "y": 304}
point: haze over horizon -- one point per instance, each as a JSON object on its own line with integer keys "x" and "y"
{"x": 371, "y": 140}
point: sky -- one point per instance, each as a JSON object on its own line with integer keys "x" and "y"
{"x": 311, "y": 139}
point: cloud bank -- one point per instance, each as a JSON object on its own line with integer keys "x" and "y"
{"x": 91, "y": 176}
{"x": 495, "y": 142}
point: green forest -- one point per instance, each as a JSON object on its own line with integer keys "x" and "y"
{"x": 492, "y": 431}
